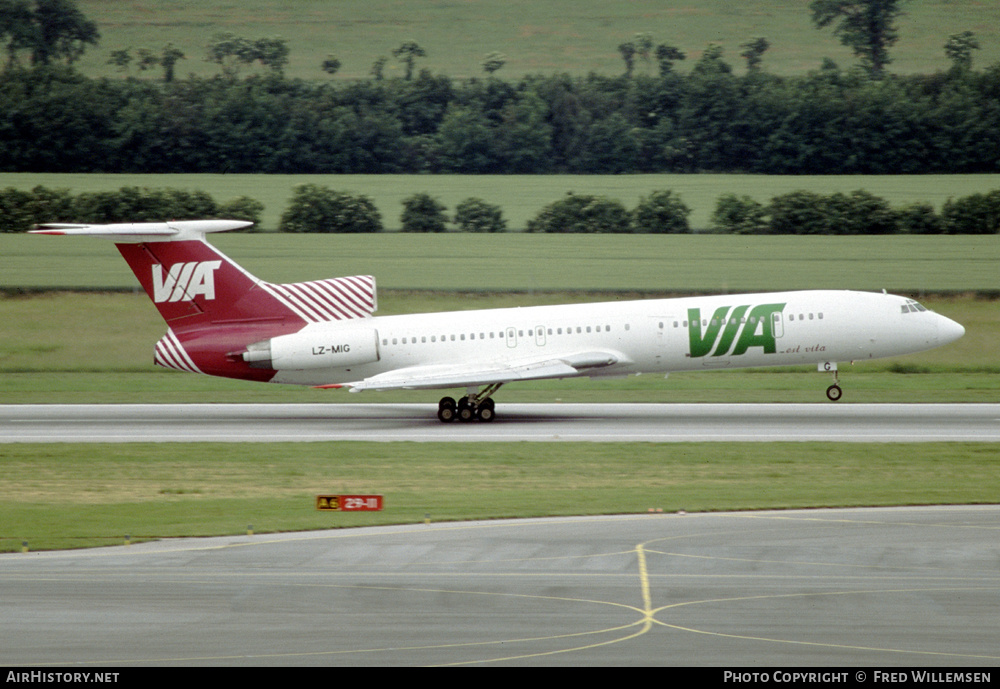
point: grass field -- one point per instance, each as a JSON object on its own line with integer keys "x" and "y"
{"x": 63, "y": 496}
{"x": 525, "y": 263}
{"x": 522, "y": 196}
{"x": 576, "y": 37}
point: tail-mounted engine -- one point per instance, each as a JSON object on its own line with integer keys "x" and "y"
{"x": 315, "y": 348}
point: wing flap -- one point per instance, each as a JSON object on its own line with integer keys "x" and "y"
{"x": 469, "y": 375}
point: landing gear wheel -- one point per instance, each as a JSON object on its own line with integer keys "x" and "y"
{"x": 485, "y": 412}
{"x": 466, "y": 412}
{"x": 447, "y": 410}
{"x": 834, "y": 393}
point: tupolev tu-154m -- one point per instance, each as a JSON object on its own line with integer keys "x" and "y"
{"x": 223, "y": 321}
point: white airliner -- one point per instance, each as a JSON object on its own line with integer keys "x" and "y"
{"x": 222, "y": 321}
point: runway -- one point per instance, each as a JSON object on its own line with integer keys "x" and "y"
{"x": 837, "y": 588}
{"x": 515, "y": 422}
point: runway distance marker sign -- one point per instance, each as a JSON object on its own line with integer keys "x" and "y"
{"x": 349, "y": 503}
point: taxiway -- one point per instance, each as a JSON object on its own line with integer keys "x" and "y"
{"x": 837, "y": 588}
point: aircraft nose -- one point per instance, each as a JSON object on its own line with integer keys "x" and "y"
{"x": 948, "y": 330}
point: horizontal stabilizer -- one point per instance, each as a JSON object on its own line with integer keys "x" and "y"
{"x": 177, "y": 229}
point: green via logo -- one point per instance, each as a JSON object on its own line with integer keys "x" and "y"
{"x": 725, "y": 325}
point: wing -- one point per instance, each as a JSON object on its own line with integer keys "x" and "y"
{"x": 469, "y": 375}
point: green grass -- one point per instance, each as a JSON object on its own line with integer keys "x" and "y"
{"x": 648, "y": 264}
{"x": 576, "y": 37}
{"x": 521, "y": 196}
{"x": 62, "y": 496}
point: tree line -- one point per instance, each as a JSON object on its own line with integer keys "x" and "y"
{"x": 830, "y": 121}
{"x": 315, "y": 208}
{"x": 859, "y": 120}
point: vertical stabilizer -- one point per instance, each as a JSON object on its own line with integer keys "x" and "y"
{"x": 212, "y": 306}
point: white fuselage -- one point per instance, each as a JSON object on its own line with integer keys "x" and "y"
{"x": 647, "y": 336}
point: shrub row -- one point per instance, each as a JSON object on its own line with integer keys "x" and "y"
{"x": 660, "y": 212}
{"x": 20, "y": 210}
{"x": 856, "y": 213}
{"x": 319, "y": 209}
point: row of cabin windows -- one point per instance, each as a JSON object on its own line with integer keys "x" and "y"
{"x": 531, "y": 332}
{"x": 753, "y": 320}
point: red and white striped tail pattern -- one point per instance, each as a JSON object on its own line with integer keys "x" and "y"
{"x": 335, "y": 299}
{"x": 170, "y": 353}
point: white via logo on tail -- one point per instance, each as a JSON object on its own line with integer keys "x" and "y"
{"x": 184, "y": 281}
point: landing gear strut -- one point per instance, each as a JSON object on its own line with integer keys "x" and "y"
{"x": 473, "y": 407}
{"x": 833, "y": 393}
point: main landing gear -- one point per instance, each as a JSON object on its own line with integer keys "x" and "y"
{"x": 473, "y": 407}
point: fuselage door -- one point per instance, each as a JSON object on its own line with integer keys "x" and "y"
{"x": 511, "y": 337}
{"x": 778, "y": 323}
{"x": 663, "y": 327}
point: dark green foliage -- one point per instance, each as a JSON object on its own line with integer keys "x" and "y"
{"x": 230, "y": 51}
{"x": 753, "y": 53}
{"x": 661, "y": 212}
{"x": 975, "y": 214}
{"x": 319, "y": 209}
{"x": 242, "y": 208}
{"x": 865, "y": 26}
{"x": 423, "y": 213}
{"x": 476, "y": 215}
{"x": 20, "y": 210}
{"x": 959, "y": 49}
{"x": 582, "y": 213}
{"x": 804, "y": 212}
{"x": 798, "y": 212}
{"x": 859, "y": 212}
{"x": 407, "y": 53}
{"x": 135, "y": 204}
{"x": 52, "y": 30}
{"x": 53, "y": 119}
{"x": 919, "y": 218}
{"x": 738, "y": 215}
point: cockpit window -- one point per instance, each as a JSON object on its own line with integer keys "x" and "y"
{"x": 912, "y": 307}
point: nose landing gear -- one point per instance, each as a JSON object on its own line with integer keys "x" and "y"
{"x": 833, "y": 393}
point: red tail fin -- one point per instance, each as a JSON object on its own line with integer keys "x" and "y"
{"x": 193, "y": 285}
{"x": 213, "y": 307}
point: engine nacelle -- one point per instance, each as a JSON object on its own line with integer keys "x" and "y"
{"x": 327, "y": 348}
